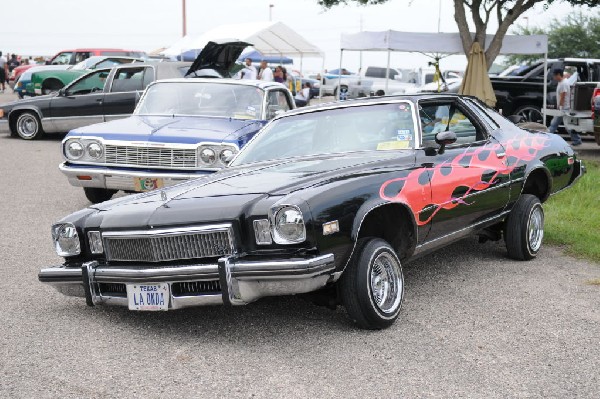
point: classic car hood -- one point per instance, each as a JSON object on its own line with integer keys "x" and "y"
{"x": 161, "y": 129}
{"x": 226, "y": 195}
{"x": 28, "y": 100}
{"x": 218, "y": 56}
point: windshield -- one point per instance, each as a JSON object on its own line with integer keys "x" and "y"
{"x": 202, "y": 99}
{"x": 380, "y": 127}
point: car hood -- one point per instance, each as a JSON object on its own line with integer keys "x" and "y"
{"x": 168, "y": 129}
{"x": 231, "y": 193}
{"x": 27, "y": 101}
{"x": 218, "y": 56}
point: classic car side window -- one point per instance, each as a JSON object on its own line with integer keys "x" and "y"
{"x": 446, "y": 116}
{"x": 148, "y": 77}
{"x": 91, "y": 84}
{"x": 480, "y": 111}
{"x": 127, "y": 79}
{"x": 62, "y": 58}
{"x": 277, "y": 103}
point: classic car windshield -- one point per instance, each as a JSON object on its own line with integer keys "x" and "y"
{"x": 203, "y": 99}
{"x": 365, "y": 128}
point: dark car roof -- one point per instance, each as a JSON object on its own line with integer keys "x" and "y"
{"x": 164, "y": 70}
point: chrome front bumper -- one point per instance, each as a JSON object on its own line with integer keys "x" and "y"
{"x": 241, "y": 282}
{"x": 102, "y": 177}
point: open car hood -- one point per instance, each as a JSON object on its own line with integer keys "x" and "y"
{"x": 217, "y": 57}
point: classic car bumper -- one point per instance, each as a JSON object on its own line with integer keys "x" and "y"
{"x": 115, "y": 179}
{"x": 240, "y": 281}
{"x": 4, "y": 127}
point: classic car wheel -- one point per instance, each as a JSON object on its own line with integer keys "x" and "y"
{"x": 96, "y": 195}
{"x": 372, "y": 286}
{"x": 344, "y": 90}
{"x": 530, "y": 113}
{"x": 28, "y": 126}
{"x": 524, "y": 230}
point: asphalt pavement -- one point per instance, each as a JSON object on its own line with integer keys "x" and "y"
{"x": 474, "y": 324}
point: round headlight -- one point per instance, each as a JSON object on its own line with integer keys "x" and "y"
{"x": 74, "y": 150}
{"x": 208, "y": 156}
{"x": 66, "y": 239}
{"x": 225, "y": 156}
{"x": 289, "y": 226}
{"x": 95, "y": 150}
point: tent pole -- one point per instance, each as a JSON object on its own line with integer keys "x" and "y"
{"x": 301, "y": 55}
{"x": 387, "y": 73}
{"x": 322, "y": 77}
{"x": 340, "y": 75}
{"x": 544, "y": 102}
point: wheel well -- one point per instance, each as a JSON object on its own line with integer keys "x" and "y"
{"x": 538, "y": 184}
{"x": 13, "y": 116}
{"x": 393, "y": 223}
{"x": 49, "y": 81}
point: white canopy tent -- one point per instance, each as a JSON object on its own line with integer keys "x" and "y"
{"x": 269, "y": 38}
{"x": 440, "y": 43}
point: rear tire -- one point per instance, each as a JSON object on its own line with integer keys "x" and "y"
{"x": 28, "y": 126}
{"x": 524, "y": 230}
{"x": 96, "y": 195}
{"x": 372, "y": 286}
{"x": 531, "y": 113}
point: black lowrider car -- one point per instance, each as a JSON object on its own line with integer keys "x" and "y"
{"x": 331, "y": 198}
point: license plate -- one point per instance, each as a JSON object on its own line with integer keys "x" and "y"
{"x": 150, "y": 297}
{"x": 147, "y": 183}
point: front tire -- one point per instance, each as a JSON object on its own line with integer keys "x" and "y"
{"x": 372, "y": 286}
{"x": 524, "y": 230}
{"x": 96, "y": 195}
{"x": 28, "y": 126}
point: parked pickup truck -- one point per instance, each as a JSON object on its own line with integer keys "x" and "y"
{"x": 585, "y": 105}
{"x": 522, "y": 92}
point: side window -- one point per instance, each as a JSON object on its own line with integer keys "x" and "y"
{"x": 90, "y": 84}
{"x": 127, "y": 79}
{"x": 148, "y": 77}
{"x": 63, "y": 58}
{"x": 446, "y": 116}
{"x": 81, "y": 56}
{"x": 277, "y": 103}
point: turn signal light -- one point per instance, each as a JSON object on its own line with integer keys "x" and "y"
{"x": 84, "y": 177}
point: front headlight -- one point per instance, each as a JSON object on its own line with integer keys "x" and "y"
{"x": 226, "y": 155}
{"x": 208, "y": 156}
{"x": 74, "y": 149}
{"x": 66, "y": 239}
{"x": 95, "y": 150}
{"x": 288, "y": 226}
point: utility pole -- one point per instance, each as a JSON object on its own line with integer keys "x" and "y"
{"x": 271, "y": 11}
{"x": 184, "y": 18}
{"x": 360, "y": 52}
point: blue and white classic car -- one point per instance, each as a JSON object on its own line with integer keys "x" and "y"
{"x": 180, "y": 130}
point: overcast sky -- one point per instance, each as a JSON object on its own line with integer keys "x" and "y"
{"x": 43, "y": 27}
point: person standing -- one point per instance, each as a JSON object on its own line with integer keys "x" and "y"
{"x": 249, "y": 71}
{"x": 563, "y": 95}
{"x": 265, "y": 73}
{"x": 3, "y": 72}
{"x": 13, "y": 63}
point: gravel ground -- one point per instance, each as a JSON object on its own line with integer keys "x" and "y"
{"x": 474, "y": 324}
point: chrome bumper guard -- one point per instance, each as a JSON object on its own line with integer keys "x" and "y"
{"x": 242, "y": 282}
{"x": 103, "y": 177}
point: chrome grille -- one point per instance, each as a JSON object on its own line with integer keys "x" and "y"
{"x": 168, "y": 247}
{"x": 151, "y": 156}
{"x": 193, "y": 288}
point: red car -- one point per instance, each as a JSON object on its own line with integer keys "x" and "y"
{"x": 72, "y": 57}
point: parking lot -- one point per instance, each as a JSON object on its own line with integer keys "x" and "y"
{"x": 474, "y": 323}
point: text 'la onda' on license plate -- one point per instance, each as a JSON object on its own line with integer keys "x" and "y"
{"x": 148, "y": 296}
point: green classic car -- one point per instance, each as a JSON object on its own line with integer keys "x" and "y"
{"x": 49, "y": 81}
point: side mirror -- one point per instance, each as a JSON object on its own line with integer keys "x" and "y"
{"x": 445, "y": 138}
{"x": 62, "y": 92}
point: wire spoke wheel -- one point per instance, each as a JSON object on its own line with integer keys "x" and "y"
{"x": 535, "y": 229}
{"x": 386, "y": 283}
{"x": 28, "y": 126}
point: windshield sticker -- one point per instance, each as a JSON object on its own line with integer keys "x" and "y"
{"x": 241, "y": 116}
{"x": 393, "y": 145}
{"x": 403, "y": 135}
{"x": 251, "y": 110}
{"x": 404, "y": 107}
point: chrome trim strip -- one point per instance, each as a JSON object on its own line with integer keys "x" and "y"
{"x": 448, "y": 238}
{"x": 170, "y": 231}
{"x": 112, "y": 274}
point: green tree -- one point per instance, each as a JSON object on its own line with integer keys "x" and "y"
{"x": 577, "y": 35}
{"x": 506, "y": 12}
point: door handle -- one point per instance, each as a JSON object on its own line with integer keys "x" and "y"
{"x": 98, "y": 100}
{"x": 501, "y": 154}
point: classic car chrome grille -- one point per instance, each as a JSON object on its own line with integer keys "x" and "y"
{"x": 169, "y": 246}
{"x": 193, "y": 288}
{"x": 151, "y": 156}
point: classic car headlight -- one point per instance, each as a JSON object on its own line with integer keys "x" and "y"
{"x": 95, "y": 241}
{"x": 66, "y": 239}
{"x": 74, "y": 149}
{"x": 226, "y": 155}
{"x": 208, "y": 156}
{"x": 95, "y": 150}
{"x": 288, "y": 226}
